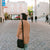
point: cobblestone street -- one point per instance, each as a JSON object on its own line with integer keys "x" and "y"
{"x": 39, "y": 35}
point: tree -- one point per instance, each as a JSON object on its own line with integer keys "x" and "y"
{"x": 30, "y": 10}
{"x": 6, "y": 14}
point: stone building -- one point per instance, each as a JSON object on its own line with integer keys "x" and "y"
{"x": 42, "y": 9}
{"x": 15, "y": 8}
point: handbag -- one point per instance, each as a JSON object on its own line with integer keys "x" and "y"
{"x": 20, "y": 43}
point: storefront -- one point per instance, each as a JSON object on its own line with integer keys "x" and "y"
{"x": 15, "y": 16}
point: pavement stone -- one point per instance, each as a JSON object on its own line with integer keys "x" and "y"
{"x": 39, "y": 35}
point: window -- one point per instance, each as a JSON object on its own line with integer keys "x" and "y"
{"x": 38, "y": 5}
{"x": 12, "y": 5}
{"x": 18, "y": 11}
{"x": 43, "y": 13}
{"x": 12, "y": 10}
{"x": 18, "y": 5}
{"x": 23, "y": 5}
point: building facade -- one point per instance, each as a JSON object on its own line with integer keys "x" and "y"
{"x": 42, "y": 9}
{"x": 16, "y": 7}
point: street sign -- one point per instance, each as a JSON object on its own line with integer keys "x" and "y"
{"x": 3, "y": 2}
{"x": 5, "y": 7}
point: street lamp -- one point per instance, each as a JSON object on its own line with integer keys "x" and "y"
{"x": 49, "y": 7}
{"x": 35, "y": 7}
{"x": 35, "y": 10}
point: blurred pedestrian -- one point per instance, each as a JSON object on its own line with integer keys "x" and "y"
{"x": 25, "y": 32}
{"x": 47, "y": 18}
{"x": 32, "y": 18}
{"x": 35, "y": 18}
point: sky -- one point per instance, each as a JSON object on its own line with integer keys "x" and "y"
{"x": 29, "y": 2}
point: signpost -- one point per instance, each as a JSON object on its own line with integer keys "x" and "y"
{"x": 3, "y": 2}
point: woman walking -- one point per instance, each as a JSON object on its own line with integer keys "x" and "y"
{"x": 26, "y": 30}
